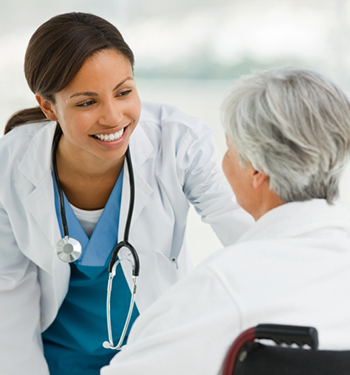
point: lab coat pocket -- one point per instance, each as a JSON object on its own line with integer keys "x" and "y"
{"x": 168, "y": 270}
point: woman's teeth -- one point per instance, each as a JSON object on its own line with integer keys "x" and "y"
{"x": 109, "y": 137}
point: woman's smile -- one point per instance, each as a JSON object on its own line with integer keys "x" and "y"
{"x": 111, "y": 139}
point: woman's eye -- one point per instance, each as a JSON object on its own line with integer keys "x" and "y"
{"x": 124, "y": 93}
{"x": 86, "y": 104}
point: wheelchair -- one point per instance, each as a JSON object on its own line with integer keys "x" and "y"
{"x": 296, "y": 353}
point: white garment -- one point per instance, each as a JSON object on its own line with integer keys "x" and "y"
{"x": 291, "y": 267}
{"x": 175, "y": 163}
{"x": 87, "y": 218}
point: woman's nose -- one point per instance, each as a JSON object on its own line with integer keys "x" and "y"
{"x": 111, "y": 114}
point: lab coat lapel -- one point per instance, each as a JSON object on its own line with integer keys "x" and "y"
{"x": 39, "y": 202}
{"x": 140, "y": 150}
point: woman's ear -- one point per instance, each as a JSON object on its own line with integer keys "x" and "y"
{"x": 47, "y": 107}
{"x": 259, "y": 178}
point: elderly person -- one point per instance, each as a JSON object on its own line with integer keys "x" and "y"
{"x": 288, "y": 137}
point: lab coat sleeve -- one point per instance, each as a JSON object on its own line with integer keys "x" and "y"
{"x": 183, "y": 331}
{"x": 20, "y": 338}
{"x": 207, "y": 188}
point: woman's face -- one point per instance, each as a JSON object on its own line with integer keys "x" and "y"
{"x": 99, "y": 109}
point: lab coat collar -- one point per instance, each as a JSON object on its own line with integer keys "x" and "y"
{"x": 36, "y": 162}
{"x": 42, "y": 142}
{"x": 296, "y": 219}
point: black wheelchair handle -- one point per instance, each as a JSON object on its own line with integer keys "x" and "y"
{"x": 285, "y": 334}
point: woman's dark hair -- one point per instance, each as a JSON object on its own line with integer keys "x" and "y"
{"x": 56, "y": 52}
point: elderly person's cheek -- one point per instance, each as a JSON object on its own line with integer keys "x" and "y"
{"x": 227, "y": 167}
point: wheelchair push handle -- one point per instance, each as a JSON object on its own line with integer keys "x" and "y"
{"x": 284, "y": 334}
{"x": 280, "y": 334}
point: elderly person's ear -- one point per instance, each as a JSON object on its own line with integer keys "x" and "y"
{"x": 259, "y": 178}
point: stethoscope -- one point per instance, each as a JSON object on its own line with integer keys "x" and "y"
{"x": 69, "y": 249}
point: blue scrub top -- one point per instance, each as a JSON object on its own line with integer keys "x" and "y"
{"x": 73, "y": 343}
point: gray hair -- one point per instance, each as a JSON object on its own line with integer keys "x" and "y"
{"x": 294, "y": 125}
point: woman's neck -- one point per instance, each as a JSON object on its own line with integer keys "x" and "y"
{"x": 87, "y": 181}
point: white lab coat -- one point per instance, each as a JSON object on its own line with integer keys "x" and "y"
{"x": 291, "y": 267}
{"x": 175, "y": 163}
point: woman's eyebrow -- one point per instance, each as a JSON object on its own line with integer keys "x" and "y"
{"x": 90, "y": 93}
{"x": 121, "y": 83}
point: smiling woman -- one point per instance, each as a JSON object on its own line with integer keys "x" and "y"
{"x": 97, "y": 112}
{"x": 64, "y": 177}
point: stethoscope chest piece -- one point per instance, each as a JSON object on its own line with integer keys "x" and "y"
{"x": 68, "y": 249}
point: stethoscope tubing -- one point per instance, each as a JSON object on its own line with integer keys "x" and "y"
{"x": 125, "y": 242}
{"x": 58, "y": 183}
{"x": 109, "y": 344}
{"x": 113, "y": 262}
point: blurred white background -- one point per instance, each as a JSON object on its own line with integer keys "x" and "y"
{"x": 189, "y": 52}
